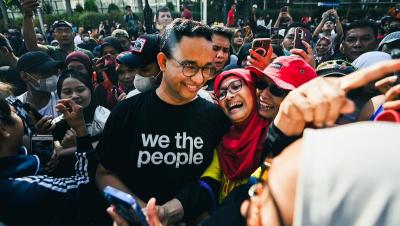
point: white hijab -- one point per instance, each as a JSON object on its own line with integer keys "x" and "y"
{"x": 349, "y": 176}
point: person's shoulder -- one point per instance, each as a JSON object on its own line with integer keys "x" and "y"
{"x": 133, "y": 102}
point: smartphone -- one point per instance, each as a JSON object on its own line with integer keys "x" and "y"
{"x": 43, "y": 147}
{"x": 22, "y": 111}
{"x": 285, "y": 9}
{"x": 261, "y": 45}
{"x": 299, "y": 35}
{"x": 126, "y": 205}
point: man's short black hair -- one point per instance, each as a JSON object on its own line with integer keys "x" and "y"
{"x": 361, "y": 24}
{"x": 180, "y": 28}
{"x": 222, "y": 31}
{"x": 128, "y": 7}
{"x": 162, "y": 9}
{"x": 296, "y": 24}
{"x": 5, "y": 42}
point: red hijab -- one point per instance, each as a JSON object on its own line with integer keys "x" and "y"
{"x": 240, "y": 149}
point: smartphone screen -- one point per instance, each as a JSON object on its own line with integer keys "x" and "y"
{"x": 261, "y": 45}
{"x": 42, "y": 146}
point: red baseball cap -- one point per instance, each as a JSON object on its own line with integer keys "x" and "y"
{"x": 287, "y": 72}
{"x": 389, "y": 116}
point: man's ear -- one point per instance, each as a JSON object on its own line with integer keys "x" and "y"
{"x": 162, "y": 61}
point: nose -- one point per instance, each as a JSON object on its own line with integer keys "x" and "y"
{"x": 357, "y": 43}
{"x": 229, "y": 95}
{"x": 198, "y": 78}
{"x": 220, "y": 53}
{"x": 75, "y": 96}
{"x": 266, "y": 94}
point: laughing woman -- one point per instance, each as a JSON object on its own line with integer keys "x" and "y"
{"x": 238, "y": 155}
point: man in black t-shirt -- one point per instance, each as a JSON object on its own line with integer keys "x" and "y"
{"x": 159, "y": 141}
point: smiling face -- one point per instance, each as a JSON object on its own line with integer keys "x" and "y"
{"x": 177, "y": 88}
{"x": 267, "y": 103}
{"x": 77, "y": 91}
{"x": 238, "y": 102}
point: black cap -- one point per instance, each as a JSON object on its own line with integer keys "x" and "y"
{"x": 37, "y": 62}
{"x": 144, "y": 51}
{"x": 61, "y": 23}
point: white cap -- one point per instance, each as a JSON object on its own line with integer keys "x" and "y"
{"x": 255, "y": 6}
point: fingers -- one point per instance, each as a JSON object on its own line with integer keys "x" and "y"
{"x": 384, "y": 84}
{"x": 118, "y": 219}
{"x": 364, "y": 76}
{"x": 393, "y": 93}
{"x": 121, "y": 97}
{"x": 45, "y": 125}
{"x": 392, "y": 105}
{"x": 391, "y": 98}
{"x": 152, "y": 213}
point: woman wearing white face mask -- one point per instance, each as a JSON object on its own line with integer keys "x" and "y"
{"x": 40, "y": 73}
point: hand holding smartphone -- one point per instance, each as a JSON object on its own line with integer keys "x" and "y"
{"x": 125, "y": 205}
{"x": 300, "y": 35}
{"x": 261, "y": 45}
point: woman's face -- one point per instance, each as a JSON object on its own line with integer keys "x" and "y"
{"x": 238, "y": 39}
{"x": 268, "y": 103}
{"x": 77, "y": 66}
{"x": 110, "y": 50}
{"x": 164, "y": 18}
{"x": 322, "y": 47}
{"x": 77, "y": 91}
{"x": 238, "y": 102}
{"x": 126, "y": 76}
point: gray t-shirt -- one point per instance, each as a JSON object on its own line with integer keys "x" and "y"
{"x": 349, "y": 176}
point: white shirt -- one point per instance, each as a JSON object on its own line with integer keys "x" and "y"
{"x": 49, "y": 109}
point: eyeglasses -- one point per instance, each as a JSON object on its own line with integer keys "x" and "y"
{"x": 232, "y": 88}
{"x": 273, "y": 89}
{"x": 190, "y": 70}
{"x": 257, "y": 190}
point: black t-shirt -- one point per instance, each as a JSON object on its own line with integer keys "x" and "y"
{"x": 157, "y": 148}
{"x": 11, "y": 75}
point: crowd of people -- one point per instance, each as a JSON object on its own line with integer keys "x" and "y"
{"x": 197, "y": 124}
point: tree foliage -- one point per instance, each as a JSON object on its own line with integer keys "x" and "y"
{"x": 90, "y": 6}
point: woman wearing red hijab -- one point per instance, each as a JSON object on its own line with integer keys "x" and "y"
{"x": 239, "y": 153}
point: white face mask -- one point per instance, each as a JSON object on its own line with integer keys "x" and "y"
{"x": 46, "y": 85}
{"x": 86, "y": 39}
{"x": 144, "y": 83}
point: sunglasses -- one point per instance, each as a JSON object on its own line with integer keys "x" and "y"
{"x": 273, "y": 89}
